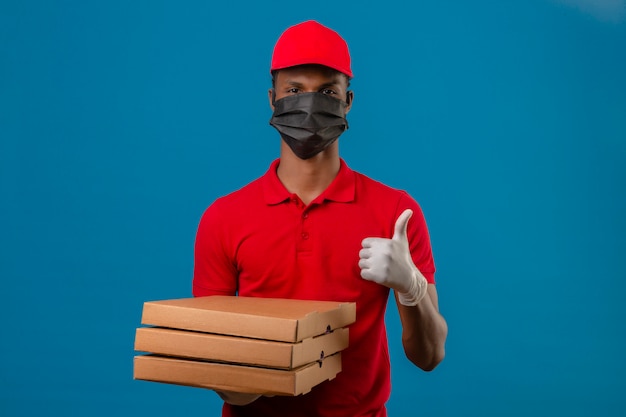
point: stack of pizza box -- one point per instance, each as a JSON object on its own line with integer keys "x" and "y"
{"x": 265, "y": 346}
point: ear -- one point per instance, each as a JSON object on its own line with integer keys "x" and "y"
{"x": 271, "y": 95}
{"x": 349, "y": 99}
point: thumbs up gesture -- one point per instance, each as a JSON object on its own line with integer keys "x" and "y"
{"x": 389, "y": 263}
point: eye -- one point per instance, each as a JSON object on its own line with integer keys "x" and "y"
{"x": 293, "y": 90}
{"x": 328, "y": 91}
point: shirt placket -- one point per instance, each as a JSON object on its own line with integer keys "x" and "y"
{"x": 304, "y": 241}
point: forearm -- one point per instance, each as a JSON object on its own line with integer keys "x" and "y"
{"x": 424, "y": 331}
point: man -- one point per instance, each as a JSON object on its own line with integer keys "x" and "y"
{"x": 311, "y": 228}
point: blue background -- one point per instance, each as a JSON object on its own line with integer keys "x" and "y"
{"x": 120, "y": 122}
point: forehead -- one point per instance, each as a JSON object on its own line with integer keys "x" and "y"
{"x": 311, "y": 73}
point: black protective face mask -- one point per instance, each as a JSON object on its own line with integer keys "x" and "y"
{"x": 309, "y": 122}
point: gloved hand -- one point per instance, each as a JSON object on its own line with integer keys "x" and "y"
{"x": 389, "y": 263}
{"x": 237, "y": 398}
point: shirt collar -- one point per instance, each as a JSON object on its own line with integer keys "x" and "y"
{"x": 341, "y": 190}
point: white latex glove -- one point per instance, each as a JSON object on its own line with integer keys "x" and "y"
{"x": 237, "y": 398}
{"x": 388, "y": 262}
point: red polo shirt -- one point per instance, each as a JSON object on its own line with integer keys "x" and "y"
{"x": 262, "y": 241}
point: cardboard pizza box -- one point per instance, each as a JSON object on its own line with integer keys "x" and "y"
{"x": 283, "y": 320}
{"x": 237, "y": 378}
{"x": 208, "y": 346}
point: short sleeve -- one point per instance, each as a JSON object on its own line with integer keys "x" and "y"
{"x": 214, "y": 272}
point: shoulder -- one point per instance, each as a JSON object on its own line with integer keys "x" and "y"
{"x": 234, "y": 204}
{"x": 386, "y": 203}
{"x": 374, "y": 189}
{"x": 247, "y": 194}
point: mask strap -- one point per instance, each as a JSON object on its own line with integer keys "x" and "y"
{"x": 273, "y": 97}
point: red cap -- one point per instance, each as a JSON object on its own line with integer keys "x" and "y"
{"x": 311, "y": 43}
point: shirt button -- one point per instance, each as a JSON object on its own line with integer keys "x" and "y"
{"x": 305, "y": 235}
{"x": 305, "y": 215}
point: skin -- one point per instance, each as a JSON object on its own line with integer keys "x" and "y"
{"x": 424, "y": 330}
{"x": 309, "y": 178}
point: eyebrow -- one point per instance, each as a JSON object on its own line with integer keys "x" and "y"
{"x": 325, "y": 85}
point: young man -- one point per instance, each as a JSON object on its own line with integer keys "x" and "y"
{"x": 311, "y": 228}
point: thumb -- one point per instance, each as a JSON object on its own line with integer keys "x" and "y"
{"x": 401, "y": 225}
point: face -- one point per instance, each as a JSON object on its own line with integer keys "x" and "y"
{"x": 309, "y": 79}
